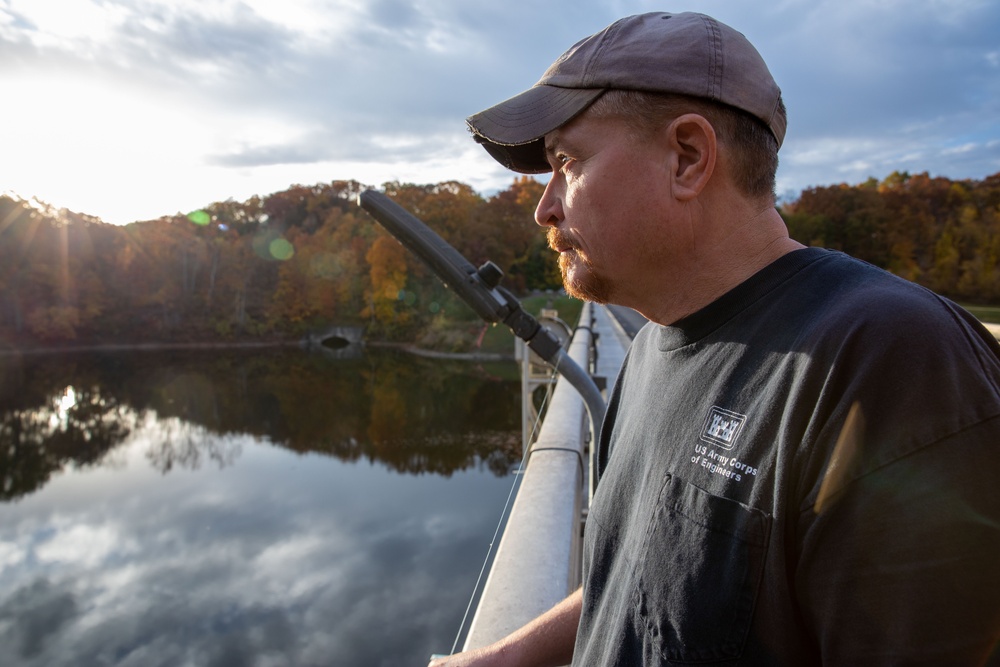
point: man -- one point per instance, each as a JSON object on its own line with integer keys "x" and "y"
{"x": 799, "y": 462}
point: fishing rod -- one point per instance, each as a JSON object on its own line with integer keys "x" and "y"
{"x": 481, "y": 289}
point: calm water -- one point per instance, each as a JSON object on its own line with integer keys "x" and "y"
{"x": 248, "y": 508}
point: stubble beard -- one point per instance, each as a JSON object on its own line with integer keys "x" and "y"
{"x": 585, "y": 282}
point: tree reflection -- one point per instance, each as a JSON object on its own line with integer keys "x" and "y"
{"x": 71, "y": 425}
{"x": 187, "y": 446}
{"x": 413, "y": 415}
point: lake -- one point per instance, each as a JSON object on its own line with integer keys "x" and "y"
{"x": 248, "y": 507}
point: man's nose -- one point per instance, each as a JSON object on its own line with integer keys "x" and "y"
{"x": 549, "y": 211}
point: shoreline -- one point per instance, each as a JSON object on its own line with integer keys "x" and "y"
{"x": 436, "y": 354}
{"x": 409, "y": 348}
{"x": 148, "y": 347}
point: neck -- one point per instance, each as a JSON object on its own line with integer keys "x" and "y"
{"x": 726, "y": 247}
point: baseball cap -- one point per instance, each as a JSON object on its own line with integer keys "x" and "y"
{"x": 659, "y": 52}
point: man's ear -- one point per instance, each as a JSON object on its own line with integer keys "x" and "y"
{"x": 694, "y": 150}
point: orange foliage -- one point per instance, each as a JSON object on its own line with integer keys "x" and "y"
{"x": 941, "y": 233}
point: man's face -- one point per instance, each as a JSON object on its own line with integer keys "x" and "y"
{"x": 602, "y": 207}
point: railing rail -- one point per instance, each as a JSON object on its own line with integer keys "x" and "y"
{"x": 537, "y": 563}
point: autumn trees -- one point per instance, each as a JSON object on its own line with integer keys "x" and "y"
{"x": 51, "y": 270}
{"x": 940, "y": 233}
{"x": 281, "y": 265}
{"x": 272, "y": 267}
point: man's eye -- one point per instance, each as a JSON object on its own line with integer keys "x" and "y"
{"x": 563, "y": 159}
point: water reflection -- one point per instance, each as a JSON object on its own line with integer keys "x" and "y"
{"x": 413, "y": 415}
{"x": 151, "y": 520}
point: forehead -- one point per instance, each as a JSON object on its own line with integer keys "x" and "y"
{"x": 583, "y": 132}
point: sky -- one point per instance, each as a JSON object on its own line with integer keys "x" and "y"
{"x": 134, "y": 109}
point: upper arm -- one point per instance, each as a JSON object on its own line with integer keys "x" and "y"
{"x": 902, "y": 566}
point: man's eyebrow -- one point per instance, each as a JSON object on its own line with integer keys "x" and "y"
{"x": 552, "y": 144}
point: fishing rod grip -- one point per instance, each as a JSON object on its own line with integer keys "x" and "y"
{"x": 524, "y": 325}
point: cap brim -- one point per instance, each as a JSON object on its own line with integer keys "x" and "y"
{"x": 513, "y": 131}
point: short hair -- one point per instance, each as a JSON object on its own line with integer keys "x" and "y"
{"x": 753, "y": 149}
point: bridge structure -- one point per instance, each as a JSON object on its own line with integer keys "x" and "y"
{"x": 335, "y": 336}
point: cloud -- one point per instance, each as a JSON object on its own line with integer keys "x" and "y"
{"x": 34, "y": 614}
{"x": 138, "y": 567}
{"x": 246, "y": 93}
{"x": 83, "y": 545}
{"x": 888, "y": 67}
{"x": 254, "y": 156}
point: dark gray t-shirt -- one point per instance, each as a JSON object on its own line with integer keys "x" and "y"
{"x": 804, "y": 472}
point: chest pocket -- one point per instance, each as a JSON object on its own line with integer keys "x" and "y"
{"x": 700, "y": 567}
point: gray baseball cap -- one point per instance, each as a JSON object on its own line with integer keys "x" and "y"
{"x": 688, "y": 54}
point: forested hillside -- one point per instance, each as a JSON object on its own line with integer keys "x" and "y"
{"x": 276, "y": 267}
{"x": 271, "y": 267}
{"x": 940, "y": 233}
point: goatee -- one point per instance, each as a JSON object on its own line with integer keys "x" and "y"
{"x": 585, "y": 282}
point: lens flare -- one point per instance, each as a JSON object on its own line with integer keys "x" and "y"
{"x": 200, "y": 218}
{"x": 281, "y": 249}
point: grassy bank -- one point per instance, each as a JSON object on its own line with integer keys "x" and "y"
{"x": 449, "y": 334}
{"x": 990, "y": 314}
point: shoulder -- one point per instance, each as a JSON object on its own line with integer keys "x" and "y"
{"x": 855, "y": 301}
{"x": 922, "y": 373}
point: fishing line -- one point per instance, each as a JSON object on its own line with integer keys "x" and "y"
{"x": 506, "y": 506}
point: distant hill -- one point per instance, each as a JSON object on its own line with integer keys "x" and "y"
{"x": 267, "y": 268}
{"x": 276, "y": 267}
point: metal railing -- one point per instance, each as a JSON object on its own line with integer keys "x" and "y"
{"x": 537, "y": 563}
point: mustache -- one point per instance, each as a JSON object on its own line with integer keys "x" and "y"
{"x": 559, "y": 240}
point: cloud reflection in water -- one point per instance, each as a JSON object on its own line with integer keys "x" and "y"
{"x": 184, "y": 546}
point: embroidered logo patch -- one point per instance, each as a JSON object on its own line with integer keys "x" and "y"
{"x": 722, "y": 427}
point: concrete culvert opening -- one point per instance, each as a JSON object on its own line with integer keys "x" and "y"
{"x": 335, "y": 342}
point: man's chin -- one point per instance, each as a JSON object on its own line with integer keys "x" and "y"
{"x": 586, "y": 286}
{"x": 584, "y": 294}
